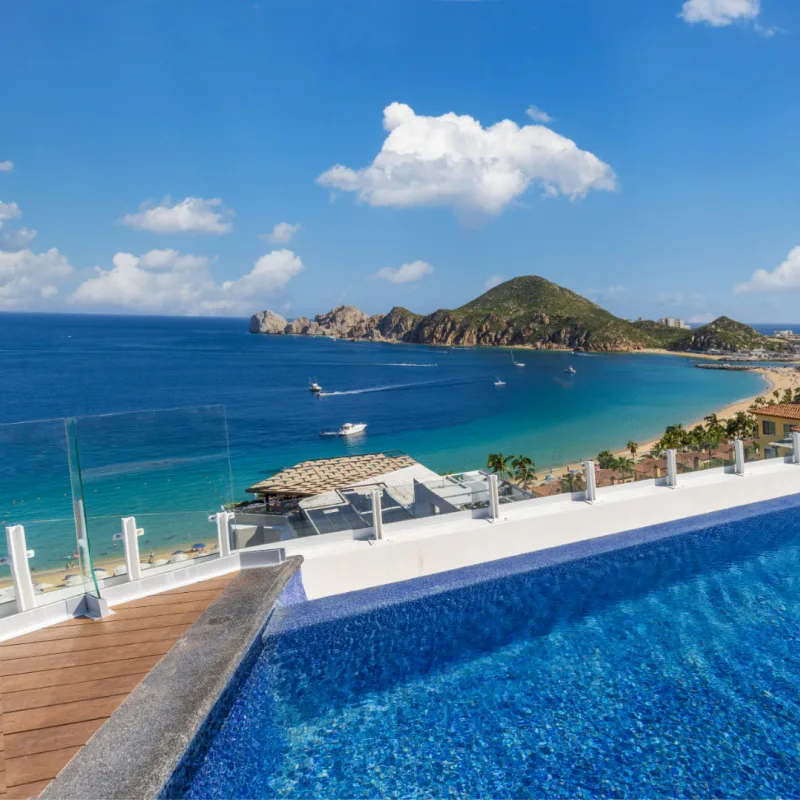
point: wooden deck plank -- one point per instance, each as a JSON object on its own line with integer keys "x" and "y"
{"x": 60, "y": 684}
{"x": 64, "y": 677}
{"x": 103, "y": 626}
{"x": 33, "y": 719}
{"x": 31, "y": 742}
{"x": 37, "y": 767}
{"x": 72, "y": 693}
{"x": 19, "y": 666}
{"x": 27, "y": 790}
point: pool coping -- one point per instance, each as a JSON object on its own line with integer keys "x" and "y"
{"x": 134, "y": 754}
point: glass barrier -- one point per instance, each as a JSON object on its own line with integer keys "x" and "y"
{"x": 705, "y": 456}
{"x": 170, "y": 470}
{"x": 36, "y": 492}
{"x": 770, "y": 447}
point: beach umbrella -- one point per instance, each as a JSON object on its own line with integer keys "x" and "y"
{"x": 178, "y": 557}
{"x": 74, "y": 580}
{"x": 100, "y": 573}
{"x": 199, "y": 546}
{"x": 120, "y": 570}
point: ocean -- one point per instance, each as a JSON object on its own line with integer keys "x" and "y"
{"x": 438, "y": 405}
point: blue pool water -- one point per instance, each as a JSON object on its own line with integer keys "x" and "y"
{"x": 658, "y": 663}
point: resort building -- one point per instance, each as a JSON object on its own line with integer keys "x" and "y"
{"x": 673, "y": 322}
{"x": 775, "y": 426}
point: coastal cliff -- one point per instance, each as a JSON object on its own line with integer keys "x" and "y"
{"x": 529, "y": 311}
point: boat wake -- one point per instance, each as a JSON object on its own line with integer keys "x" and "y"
{"x": 410, "y": 365}
{"x": 369, "y": 389}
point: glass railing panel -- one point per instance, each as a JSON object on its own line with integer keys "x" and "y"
{"x": 768, "y": 448}
{"x": 705, "y": 456}
{"x": 649, "y": 466}
{"x": 36, "y": 493}
{"x": 170, "y": 470}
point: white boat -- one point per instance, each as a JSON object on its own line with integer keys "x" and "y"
{"x": 571, "y": 370}
{"x": 515, "y": 362}
{"x": 498, "y": 382}
{"x": 350, "y": 428}
{"x": 314, "y": 387}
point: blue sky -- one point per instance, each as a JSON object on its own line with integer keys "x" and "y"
{"x": 154, "y": 146}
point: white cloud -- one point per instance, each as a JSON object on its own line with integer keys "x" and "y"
{"x": 170, "y": 282}
{"x": 6, "y": 166}
{"x": 609, "y": 293}
{"x": 282, "y": 233}
{"x": 701, "y": 319}
{"x": 720, "y": 12}
{"x": 492, "y": 281}
{"x": 16, "y": 238}
{"x": 190, "y": 215}
{"x": 538, "y": 115}
{"x": 407, "y": 273}
{"x": 454, "y": 161}
{"x": 784, "y": 276}
{"x": 27, "y": 278}
{"x": 9, "y": 211}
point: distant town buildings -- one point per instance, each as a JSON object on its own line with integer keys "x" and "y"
{"x": 673, "y": 322}
{"x": 789, "y": 335}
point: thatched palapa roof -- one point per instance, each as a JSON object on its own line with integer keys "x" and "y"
{"x": 323, "y": 474}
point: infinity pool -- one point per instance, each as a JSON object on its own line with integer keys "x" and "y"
{"x": 657, "y": 663}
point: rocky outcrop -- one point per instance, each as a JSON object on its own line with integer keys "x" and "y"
{"x": 346, "y": 322}
{"x": 267, "y": 322}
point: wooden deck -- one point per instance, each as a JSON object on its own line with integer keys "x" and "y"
{"x": 60, "y": 684}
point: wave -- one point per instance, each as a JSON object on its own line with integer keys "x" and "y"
{"x": 409, "y": 365}
{"x": 392, "y": 388}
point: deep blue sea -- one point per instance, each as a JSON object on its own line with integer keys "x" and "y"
{"x": 436, "y": 404}
{"x": 665, "y": 668}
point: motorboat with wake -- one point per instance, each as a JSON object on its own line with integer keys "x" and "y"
{"x": 314, "y": 387}
{"x": 498, "y": 382}
{"x": 348, "y": 429}
{"x": 515, "y": 362}
{"x": 571, "y": 370}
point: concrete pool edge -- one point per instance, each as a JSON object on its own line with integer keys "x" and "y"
{"x": 136, "y": 752}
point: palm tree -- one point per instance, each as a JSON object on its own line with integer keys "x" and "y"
{"x": 499, "y": 464}
{"x": 625, "y": 465}
{"x": 776, "y": 394}
{"x": 572, "y": 482}
{"x": 797, "y": 395}
{"x": 633, "y": 447}
{"x": 524, "y": 470}
{"x": 606, "y": 459}
{"x": 787, "y": 396}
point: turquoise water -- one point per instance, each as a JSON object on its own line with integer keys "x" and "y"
{"x": 436, "y": 404}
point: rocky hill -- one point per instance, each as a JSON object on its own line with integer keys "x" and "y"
{"x": 727, "y": 335}
{"x": 528, "y": 311}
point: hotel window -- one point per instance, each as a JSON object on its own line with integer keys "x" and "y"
{"x": 768, "y": 427}
{"x": 787, "y": 430}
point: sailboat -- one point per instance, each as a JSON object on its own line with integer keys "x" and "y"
{"x": 498, "y": 382}
{"x": 515, "y": 362}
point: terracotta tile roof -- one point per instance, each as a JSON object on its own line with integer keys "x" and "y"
{"x": 785, "y": 410}
{"x": 547, "y": 489}
{"x": 611, "y": 477}
{"x": 323, "y": 474}
{"x": 690, "y": 458}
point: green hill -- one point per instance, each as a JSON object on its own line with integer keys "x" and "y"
{"x": 729, "y": 335}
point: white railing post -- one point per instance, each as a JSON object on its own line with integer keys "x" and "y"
{"x": 796, "y": 447}
{"x": 377, "y": 513}
{"x": 224, "y": 533}
{"x": 494, "y": 496}
{"x": 18, "y": 555}
{"x": 130, "y": 540}
{"x": 591, "y": 481}
{"x": 672, "y": 468}
{"x": 738, "y": 449}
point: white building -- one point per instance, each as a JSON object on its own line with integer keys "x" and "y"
{"x": 673, "y": 322}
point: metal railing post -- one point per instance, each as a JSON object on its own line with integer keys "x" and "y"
{"x": 377, "y": 513}
{"x": 591, "y": 481}
{"x": 494, "y": 497}
{"x": 672, "y": 468}
{"x": 224, "y": 533}
{"x": 738, "y": 449}
{"x": 130, "y": 540}
{"x": 796, "y": 447}
{"x": 18, "y": 555}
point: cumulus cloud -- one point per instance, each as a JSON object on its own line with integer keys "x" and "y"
{"x": 190, "y": 215}
{"x": 6, "y": 166}
{"x": 171, "y": 282}
{"x": 784, "y": 276}
{"x": 13, "y": 239}
{"x": 492, "y": 281}
{"x": 454, "y": 161}
{"x": 28, "y": 278}
{"x": 538, "y": 115}
{"x": 720, "y": 13}
{"x": 9, "y": 211}
{"x": 407, "y": 273}
{"x": 282, "y": 233}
